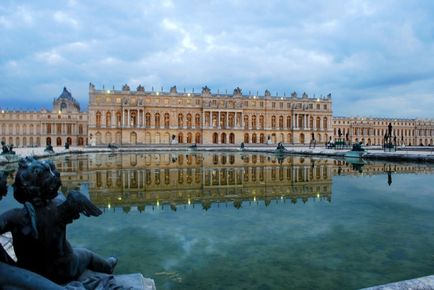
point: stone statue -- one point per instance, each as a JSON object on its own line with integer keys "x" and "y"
{"x": 5, "y": 148}
{"x": 66, "y": 145}
{"x": 140, "y": 88}
{"x": 11, "y": 149}
{"x": 267, "y": 93}
{"x": 39, "y": 228}
{"x": 125, "y": 88}
{"x": 305, "y": 96}
{"x": 293, "y": 95}
{"x": 206, "y": 90}
{"x": 49, "y": 149}
{"x": 238, "y": 91}
{"x": 173, "y": 90}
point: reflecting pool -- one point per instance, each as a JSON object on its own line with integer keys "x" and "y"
{"x": 255, "y": 221}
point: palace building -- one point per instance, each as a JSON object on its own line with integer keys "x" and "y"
{"x": 371, "y": 131}
{"x": 64, "y": 123}
{"x": 150, "y": 117}
{"x": 140, "y": 117}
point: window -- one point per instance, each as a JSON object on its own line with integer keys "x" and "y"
{"x": 98, "y": 119}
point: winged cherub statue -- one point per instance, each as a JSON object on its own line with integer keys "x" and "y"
{"x": 39, "y": 228}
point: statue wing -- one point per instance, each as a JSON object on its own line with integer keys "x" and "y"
{"x": 77, "y": 203}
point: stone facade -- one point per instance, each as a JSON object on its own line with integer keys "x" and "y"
{"x": 371, "y": 131}
{"x": 140, "y": 117}
{"x": 150, "y": 117}
{"x": 64, "y": 123}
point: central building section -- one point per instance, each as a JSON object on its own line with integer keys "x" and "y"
{"x": 137, "y": 117}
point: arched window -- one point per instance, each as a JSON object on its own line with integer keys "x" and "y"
{"x": 189, "y": 138}
{"x": 148, "y": 120}
{"x": 118, "y": 118}
{"x": 232, "y": 138}
{"x": 288, "y": 122}
{"x": 189, "y": 121}
{"x": 197, "y": 121}
{"x": 223, "y": 138}
{"x": 180, "y": 120}
{"x": 261, "y": 138}
{"x": 324, "y": 123}
{"x": 157, "y": 120}
{"x": 133, "y": 121}
{"x": 231, "y": 118}
{"x": 281, "y": 122}
{"x": 166, "y": 120}
{"x": 300, "y": 121}
{"x": 246, "y": 137}
{"x": 273, "y": 122}
{"x": 254, "y": 122}
{"x": 197, "y": 138}
{"x": 98, "y": 119}
{"x": 215, "y": 138}
{"x": 261, "y": 122}
{"x": 311, "y": 122}
{"x": 246, "y": 121}
{"x": 318, "y": 123}
{"x": 108, "y": 119}
{"x": 180, "y": 138}
{"x": 254, "y": 138}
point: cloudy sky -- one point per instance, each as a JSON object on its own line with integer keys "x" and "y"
{"x": 375, "y": 57}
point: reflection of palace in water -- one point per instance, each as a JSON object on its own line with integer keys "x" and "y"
{"x": 123, "y": 180}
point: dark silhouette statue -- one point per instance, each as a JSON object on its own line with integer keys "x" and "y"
{"x": 39, "y": 228}
{"x": 5, "y": 148}
{"x": 49, "y": 148}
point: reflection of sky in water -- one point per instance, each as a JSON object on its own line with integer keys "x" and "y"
{"x": 370, "y": 233}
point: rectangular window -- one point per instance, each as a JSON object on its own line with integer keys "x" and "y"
{"x": 273, "y": 104}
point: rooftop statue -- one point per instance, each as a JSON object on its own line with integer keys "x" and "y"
{"x": 126, "y": 87}
{"x": 173, "y": 90}
{"x": 305, "y": 95}
{"x": 206, "y": 90}
{"x": 293, "y": 95}
{"x": 140, "y": 88}
{"x": 267, "y": 93}
{"x": 237, "y": 91}
{"x": 39, "y": 228}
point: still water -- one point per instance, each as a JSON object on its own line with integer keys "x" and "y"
{"x": 255, "y": 221}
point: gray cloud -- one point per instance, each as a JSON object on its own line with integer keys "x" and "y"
{"x": 375, "y": 58}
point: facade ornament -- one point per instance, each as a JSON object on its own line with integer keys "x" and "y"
{"x": 91, "y": 87}
{"x": 140, "y": 88}
{"x": 238, "y": 91}
{"x": 294, "y": 95}
{"x": 267, "y": 93}
{"x": 173, "y": 90}
{"x": 206, "y": 90}
{"x": 126, "y": 88}
{"x": 305, "y": 96}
